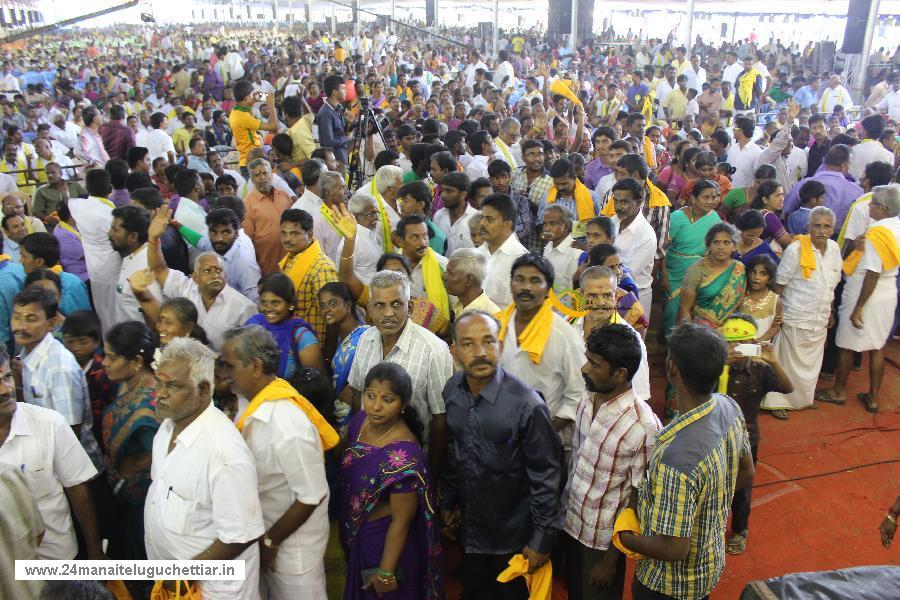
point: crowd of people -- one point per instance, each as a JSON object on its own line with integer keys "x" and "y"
{"x": 237, "y": 324}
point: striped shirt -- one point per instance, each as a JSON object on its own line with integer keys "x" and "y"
{"x": 687, "y": 491}
{"x": 610, "y": 450}
{"x": 536, "y": 193}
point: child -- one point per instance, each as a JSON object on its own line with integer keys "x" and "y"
{"x": 812, "y": 194}
{"x": 747, "y": 380}
{"x": 82, "y": 337}
{"x": 761, "y": 302}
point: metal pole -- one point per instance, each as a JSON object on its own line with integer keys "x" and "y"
{"x": 495, "y": 47}
{"x": 859, "y": 82}
{"x": 309, "y": 20}
{"x": 393, "y": 10}
{"x": 690, "y": 27}
{"x": 291, "y": 16}
{"x": 356, "y": 17}
{"x": 333, "y": 21}
{"x": 573, "y": 36}
{"x": 437, "y": 13}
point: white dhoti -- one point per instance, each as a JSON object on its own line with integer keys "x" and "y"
{"x": 877, "y": 314}
{"x": 647, "y": 302}
{"x": 800, "y": 352}
{"x": 294, "y": 586}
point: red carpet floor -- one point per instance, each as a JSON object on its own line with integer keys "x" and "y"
{"x": 824, "y": 481}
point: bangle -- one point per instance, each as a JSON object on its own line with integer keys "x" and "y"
{"x": 154, "y": 242}
{"x": 890, "y": 517}
{"x": 383, "y": 573}
{"x": 347, "y": 257}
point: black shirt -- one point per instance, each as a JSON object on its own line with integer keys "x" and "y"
{"x": 748, "y": 383}
{"x": 816, "y": 156}
{"x": 503, "y": 466}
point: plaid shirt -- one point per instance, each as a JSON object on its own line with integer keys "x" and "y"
{"x": 610, "y": 450}
{"x": 687, "y": 492}
{"x": 536, "y": 194}
{"x": 659, "y": 220}
{"x": 320, "y": 272}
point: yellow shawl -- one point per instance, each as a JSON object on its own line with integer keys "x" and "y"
{"x": 584, "y": 204}
{"x": 4, "y": 258}
{"x": 533, "y": 340}
{"x": 745, "y": 86}
{"x": 885, "y": 245}
{"x": 434, "y": 283}
{"x": 843, "y": 233}
{"x": 649, "y": 152}
{"x": 328, "y": 215}
{"x": 69, "y": 228}
{"x": 382, "y": 216}
{"x": 540, "y": 583}
{"x": 807, "y": 255}
{"x": 279, "y": 389}
{"x": 506, "y": 153}
{"x": 655, "y": 199}
{"x": 626, "y": 521}
{"x": 297, "y": 267}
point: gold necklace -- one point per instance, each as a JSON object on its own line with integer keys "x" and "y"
{"x": 755, "y": 305}
{"x": 383, "y": 435}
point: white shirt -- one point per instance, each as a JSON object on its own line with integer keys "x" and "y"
{"x": 328, "y": 238}
{"x": 807, "y": 302}
{"x": 366, "y": 252}
{"x": 504, "y": 71}
{"x": 832, "y": 97}
{"x": 230, "y": 308}
{"x": 290, "y": 468}
{"x": 458, "y": 234}
{"x": 470, "y": 72}
{"x": 744, "y": 162}
{"x": 604, "y": 185}
{"x": 797, "y": 164}
{"x": 477, "y": 167}
{"x": 558, "y": 375}
{"x": 891, "y": 104}
{"x": 564, "y": 259}
{"x": 637, "y": 248}
{"x": 731, "y": 72}
{"x": 497, "y": 280}
{"x": 8, "y": 184}
{"x": 858, "y": 219}
{"x": 127, "y": 306}
{"x": 865, "y": 153}
{"x": 43, "y": 447}
{"x": 417, "y": 280}
{"x": 205, "y": 489}
{"x": 94, "y": 218}
{"x": 663, "y": 89}
{"x": 158, "y": 143}
{"x": 240, "y": 264}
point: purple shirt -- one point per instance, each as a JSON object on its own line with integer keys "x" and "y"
{"x": 118, "y": 139}
{"x": 594, "y": 171}
{"x": 71, "y": 253}
{"x": 120, "y": 197}
{"x": 839, "y": 195}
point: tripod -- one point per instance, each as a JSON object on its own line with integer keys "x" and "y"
{"x": 356, "y": 152}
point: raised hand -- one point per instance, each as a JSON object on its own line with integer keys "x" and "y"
{"x": 345, "y": 221}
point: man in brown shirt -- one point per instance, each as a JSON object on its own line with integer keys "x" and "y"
{"x": 262, "y": 219}
{"x": 710, "y": 100}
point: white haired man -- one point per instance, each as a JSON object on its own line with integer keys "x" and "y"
{"x": 463, "y": 277}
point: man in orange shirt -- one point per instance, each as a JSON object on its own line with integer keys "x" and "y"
{"x": 262, "y": 218}
{"x": 244, "y": 126}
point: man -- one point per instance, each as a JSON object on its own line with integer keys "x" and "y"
{"x": 839, "y": 192}
{"x": 329, "y": 121}
{"x": 219, "y": 306}
{"x": 501, "y": 247}
{"x": 203, "y": 502}
{"x": 549, "y": 363}
{"x": 464, "y": 278}
{"x": 743, "y": 154}
{"x": 128, "y": 236}
{"x": 280, "y": 428}
{"x": 181, "y": 137}
{"x": 39, "y": 444}
{"x": 395, "y": 338}
{"x": 557, "y": 230}
{"x": 569, "y": 193}
{"x": 808, "y": 95}
{"x": 807, "y": 293}
{"x": 245, "y": 126}
{"x": 637, "y": 125}
{"x": 833, "y": 95}
{"x": 13, "y": 205}
{"x": 675, "y": 103}
{"x": 507, "y": 142}
{"x": 779, "y": 149}
{"x": 870, "y": 149}
{"x": 453, "y": 219}
{"x": 265, "y": 204}
{"x": 225, "y": 236}
{"x": 859, "y": 217}
{"x": 94, "y": 217}
{"x": 174, "y": 247}
{"x": 56, "y": 191}
{"x": 636, "y": 240}
{"x": 414, "y": 199}
{"x": 333, "y": 191}
{"x": 749, "y": 87}
{"x": 597, "y": 168}
{"x": 427, "y": 266}
{"x": 364, "y": 248}
{"x": 719, "y": 143}
{"x": 217, "y": 166}
{"x": 530, "y": 185}
{"x": 608, "y": 108}
{"x": 614, "y": 434}
{"x": 483, "y": 149}
{"x": 90, "y": 144}
{"x": 306, "y": 264}
{"x": 698, "y": 461}
{"x": 498, "y": 503}
{"x": 117, "y": 137}
{"x": 13, "y": 233}
{"x": 157, "y": 141}
{"x": 300, "y": 125}
{"x": 869, "y": 298}
{"x": 890, "y": 104}
{"x": 197, "y": 157}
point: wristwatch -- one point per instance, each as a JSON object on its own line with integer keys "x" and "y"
{"x": 268, "y": 543}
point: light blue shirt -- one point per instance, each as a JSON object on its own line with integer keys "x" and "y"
{"x": 805, "y": 97}
{"x": 11, "y": 248}
{"x": 241, "y": 267}
{"x": 12, "y": 280}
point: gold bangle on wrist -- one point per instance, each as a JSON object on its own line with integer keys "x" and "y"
{"x": 891, "y": 518}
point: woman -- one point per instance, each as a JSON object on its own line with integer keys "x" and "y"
{"x": 341, "y": 315}
{"x": 662, "y": 154}
{"x": 129, "y": 424}
{"x": 388, "y": 525}
{"x": 688, "y": 227}
{"x": 738, "y": 199}
{"x": 713, "y": 287}
{"x": 769, "y": 201}
{"x": 761, "y": 302}
{"x": 177, "y": 318}
{"x": 296, "y": 339}
{"x": 751, "y": 224}
{"x": 673, "y": 178}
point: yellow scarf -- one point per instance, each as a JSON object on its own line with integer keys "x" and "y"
{"x": 565, "y": 88}
{"x": 434, "y": 283}
{"x": 745, "y": 86}
{"x": 584, "y": 204}
{"x": 383, "y": 217}
{"x": 807, "y": 255}
{"x": 279, "y": 389}
{"x": 533, "y": 340}
{"x": 105, "y": 201}
{"x": 29, "y": 226}
{"x": 885, "y": 244}
{"x": 655, "y": 199}
{"x": 328, "y": 215}
{"x": 505, "y": 150}
{"x": 56, "y": 269}
{"x": 5, "y": 258}
{"x": 649, "y": 152}
{"x": 626, "y": 521}
{"x": 69, "y": 228}
{"x": 540, "y": 583}
{"x": 843, "y": 233}
{"x": 300, "y": 263}
{"x": 22, "y": 176}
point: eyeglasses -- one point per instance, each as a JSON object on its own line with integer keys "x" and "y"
{"x": 368, "y": 215}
